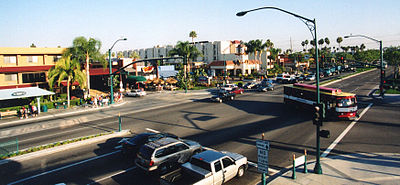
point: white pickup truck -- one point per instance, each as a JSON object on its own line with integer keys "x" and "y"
{"x": 208, "y": 168}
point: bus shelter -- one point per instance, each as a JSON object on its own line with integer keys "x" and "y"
{"x": 26, "y": 92}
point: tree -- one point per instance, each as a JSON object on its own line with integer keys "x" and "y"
{"x": 392, "y": 55}
{"x": 256, "y": 47}
{"x": 33, "y": 45}
{"x": 187, "y": 50}
{"x": 274, "y": 53}
{"x": 303, "y": 44}
{"x": 66, "y": 68}
{"x": 120, "y": 54}
{"x": 268, "y": 44}
{"x": 320, "y": 42}
{"x": 86, "y": 51}
{"x": 327, "y": 41}
{"x": 193, "y": 35}
{"x": 306, "y": 43}
{"x": 312, "y": 42}
{"x": 339, "y": 40}
{"x": 362, "y": 47}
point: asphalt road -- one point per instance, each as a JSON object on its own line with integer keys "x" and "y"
{"x": 233, "y": 126}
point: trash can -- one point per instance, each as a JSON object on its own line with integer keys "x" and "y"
{"x": 44, "y": 108}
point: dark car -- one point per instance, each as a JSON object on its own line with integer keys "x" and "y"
{"x": 223, "y": 95}
{"x": 250, "y": 85}
{"x": 130, "y": 146}
{"x": 266, "y": 87}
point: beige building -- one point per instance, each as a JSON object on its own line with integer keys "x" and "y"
{"x": 26, "y": 67}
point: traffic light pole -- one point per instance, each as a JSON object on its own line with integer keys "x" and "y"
{"x": 311, "y": 25}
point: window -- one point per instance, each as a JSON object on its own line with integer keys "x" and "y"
{"x": 56, "y": 58}
{"x": 227, "y": 162}
{"x": 217, "y": 166}
{"x": 181, "y": 147}
{"x": 10, "y": 59}
{"x": 33, "y": 77}
{"x": 32, "y": 59}
{"x": 161, "y": 153}
{"x": 11, "y": 77}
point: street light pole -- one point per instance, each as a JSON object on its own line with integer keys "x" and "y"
{"x": 312, "y": 26}
{"x": 111, "y": 76}
{"x": 381, "y": 58}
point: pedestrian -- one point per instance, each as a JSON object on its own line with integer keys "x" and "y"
{"x": 22, "y": 113}
{"x": 25, "y": 111}
{"x": 30, "y": 111}
{"x": 95, "y": 102}
{"x": 34, "y": 110}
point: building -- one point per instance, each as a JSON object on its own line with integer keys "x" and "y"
{"x": 26, "y": 67}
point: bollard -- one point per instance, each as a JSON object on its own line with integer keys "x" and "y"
{"x": 263, "y": 180}
{"x": 119, "y": 122}
{"x": 305, "y": 161}
{"x": 16, "y": 141}
{"x": 294, "y": 167}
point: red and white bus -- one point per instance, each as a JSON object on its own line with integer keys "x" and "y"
{"x": 338, "y": 104}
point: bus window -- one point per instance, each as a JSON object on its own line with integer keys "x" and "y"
{"x": 346, "y": 102}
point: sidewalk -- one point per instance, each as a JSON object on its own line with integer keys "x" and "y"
{"x": 364, "y": 168}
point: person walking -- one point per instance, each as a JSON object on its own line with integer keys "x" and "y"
{"x": 22, "y": 113}
{"x": 34, "y": 110}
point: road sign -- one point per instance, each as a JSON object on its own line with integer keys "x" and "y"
{"x": 263, "y": 144}
{"x": 262, "y": 151}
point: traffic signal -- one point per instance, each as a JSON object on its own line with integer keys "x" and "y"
{"x": 323, "y": 58}
{"x": 317, "y": 119}
{"x": 342, "y": 59}
{"x": 322, "y": 110}
{"x": 324, "y": 133}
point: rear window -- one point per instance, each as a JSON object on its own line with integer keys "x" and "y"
{"x": 201, "y": 164}
{"x": 146, "y": 152}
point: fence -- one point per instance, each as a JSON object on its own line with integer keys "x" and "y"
{"x": 8, "y": 147}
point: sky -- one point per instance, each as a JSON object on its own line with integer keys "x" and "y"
{"x": 148, "y": 23}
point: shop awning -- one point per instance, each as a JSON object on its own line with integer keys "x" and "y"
{"x": 136, "y": 78}
{"x": 7, "y": 94}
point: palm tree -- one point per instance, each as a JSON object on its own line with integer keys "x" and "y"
{"x": 303, "y": 44}
{"x": 68, "y": 69}
{"x": 339, "y": 40}
{"x": 320, "y": 42}
{"x": 312, "y": 42}
{"x": 86, "y": 51}
{"x": 256, "y": 47}
{"x": 362, "y": 47}
{"x": 187, "y": 50}
{"x": 306, "y": 43}
{"x": 134, "y": 55}
{"x": 193, "y": 35}
{"x": 327, "y": 41}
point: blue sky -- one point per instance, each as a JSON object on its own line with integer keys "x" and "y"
{"x": 52, "y": 23}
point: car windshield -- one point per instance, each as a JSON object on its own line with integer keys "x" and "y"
{"x": 146, "y": 152}
{"x": 201, "y": 164}
{"x": 346, "y": 102}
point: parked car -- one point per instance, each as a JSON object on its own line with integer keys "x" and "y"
{"x": 223, "y": 95}
{"x": 288, "y": 79}
{"x": 250, "y": 85}
{"x": 266, "y": 87}
{"x": 237, "y": 90}
{"x": 310, "y": 77}
{"x": 165, "y": 154}
{"x": 136, "y": 93}
{"x": 228, "y": 87}
{"x": 208, "y": 167}
{"x": 130, "y": 146}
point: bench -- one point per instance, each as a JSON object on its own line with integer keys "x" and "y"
{"x": 8, "y": 113}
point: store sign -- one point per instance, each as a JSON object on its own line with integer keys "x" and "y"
{"x": 18, "y": 93}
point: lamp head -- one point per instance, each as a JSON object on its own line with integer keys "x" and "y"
{"x": 346, "y": 36}
{"x": 239, "y": 14}
{"x": 124, "y": 39}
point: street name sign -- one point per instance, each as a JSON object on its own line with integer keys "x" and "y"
{"x": 262, "y": 151}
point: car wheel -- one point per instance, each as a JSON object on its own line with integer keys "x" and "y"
{"x": 240, "y": 172}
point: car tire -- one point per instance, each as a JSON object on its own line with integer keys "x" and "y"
{"x": 240, "y": 171}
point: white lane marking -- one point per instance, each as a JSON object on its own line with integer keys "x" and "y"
{"x": 64, "y": 167}
{"x": 120, "y": 172}
{"x": 152, "y": 130}
{"x": 338, "y": 139}
{"x": 118, "y": 147}
{"x": 255, "y": 166}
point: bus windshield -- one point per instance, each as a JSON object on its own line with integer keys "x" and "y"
{"x": 346, "y": 102}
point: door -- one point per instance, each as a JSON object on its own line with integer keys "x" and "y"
{"x": 218, "y": 173}
{"x": 229, "y": 168}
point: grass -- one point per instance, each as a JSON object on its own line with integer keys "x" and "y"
{"x": 38, "y": 148}
{"x": 389, "y": 91}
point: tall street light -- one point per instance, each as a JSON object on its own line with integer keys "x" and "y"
{"x": 111, "y": 76}
{"x": 381, "y": 57}
{"x": 311, "y": 25}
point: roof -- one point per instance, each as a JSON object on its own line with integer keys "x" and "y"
{"x": 30, "y": 51}
{"x": 7, "y": 94}
{"x": 209, "y": 156}
{"x": 161, "y": 142}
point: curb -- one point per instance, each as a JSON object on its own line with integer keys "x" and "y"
{"x": 347, "y": 77}
{"x": 63, "y": 147}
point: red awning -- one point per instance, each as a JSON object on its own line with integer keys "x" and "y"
{"x": 100, "y": 71}
{"x": 64, "y": 83}
{"x": 25, "y": 69}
